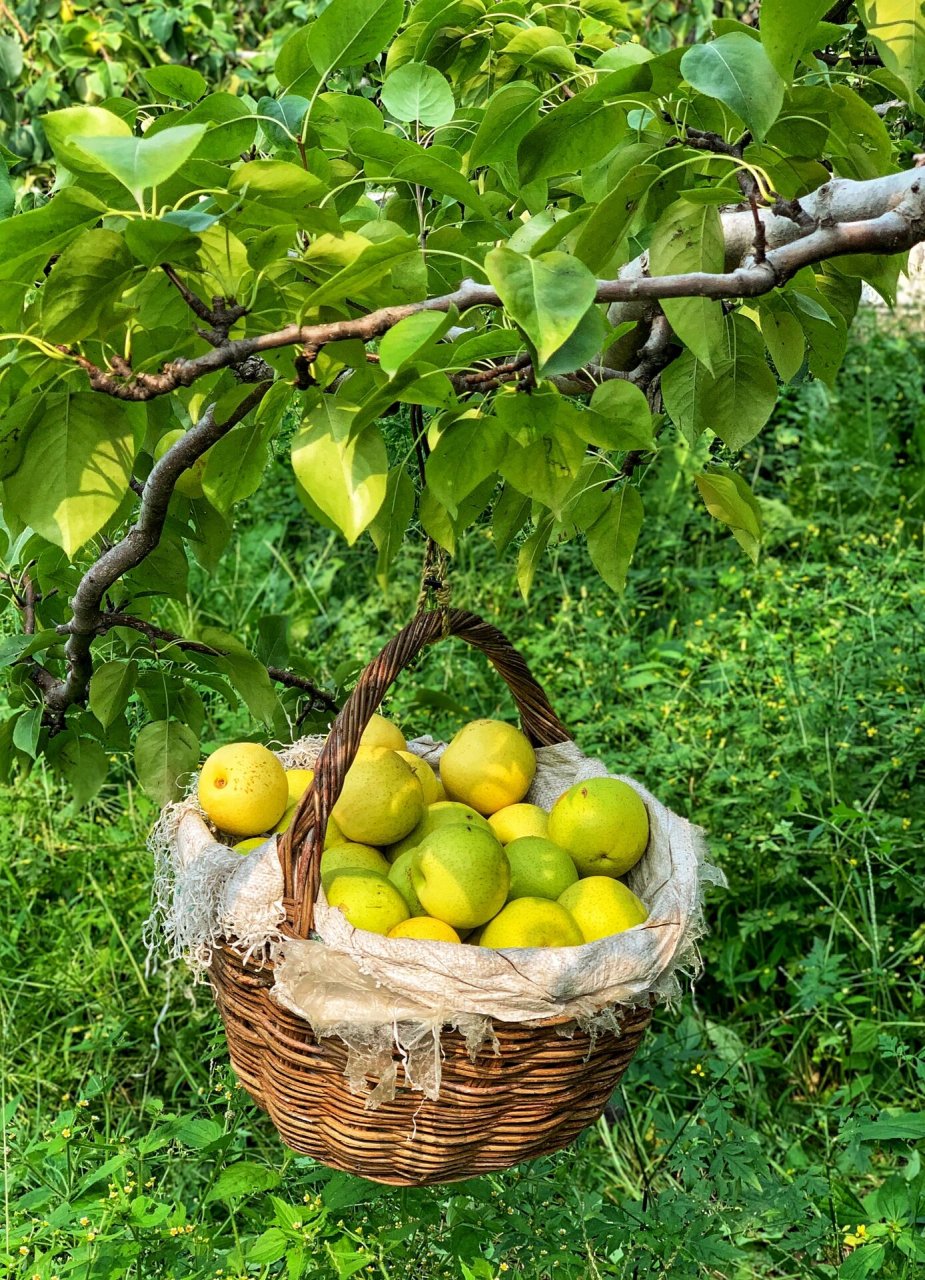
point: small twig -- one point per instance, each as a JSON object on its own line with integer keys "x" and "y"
{"x": 14, "y": 22}
{"x": 158, "y": 635}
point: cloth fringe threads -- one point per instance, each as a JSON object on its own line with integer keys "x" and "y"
{"x": 378, "y": 994}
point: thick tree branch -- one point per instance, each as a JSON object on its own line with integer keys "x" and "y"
{"x": 139, "y": 542}
{"x": 883, "y": 215}
{"x": 158, "y": 636}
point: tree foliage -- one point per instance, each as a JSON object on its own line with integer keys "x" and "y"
{"x": 559, "y": 236}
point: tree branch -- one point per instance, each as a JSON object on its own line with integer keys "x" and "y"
{"x": 157, "y": 636}
{"x": 882, "y": 215}
{"x": 139, "y": 542}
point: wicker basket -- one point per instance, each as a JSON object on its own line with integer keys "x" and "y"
{"x": 546, "y": 1082}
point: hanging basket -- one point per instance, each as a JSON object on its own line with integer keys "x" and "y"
{"x": 509, "y": 1088}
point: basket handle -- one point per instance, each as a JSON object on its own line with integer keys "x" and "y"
{"x": 299, "y": 848}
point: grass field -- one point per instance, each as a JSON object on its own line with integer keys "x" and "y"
{"x": 771, "y": 1125}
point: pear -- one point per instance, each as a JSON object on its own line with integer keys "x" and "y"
{"x": 460, "y": 875}
{"x": 603, "y": 824}
{"x": 532, "y": 922}
{"x": 489, "y": 764}
{"x": 242, "y": 788}
{"x": 602, "y": 907}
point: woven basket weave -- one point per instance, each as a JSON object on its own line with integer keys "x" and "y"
{"x": 531, "y": 1094}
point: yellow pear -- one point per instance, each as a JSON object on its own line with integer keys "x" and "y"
{"x": 516, "y": 821}
{"x": 539, "y": 868}
{"x": 532, "y": 922}
{"x": 332, "y": 834}
{"x": 248, "y": 846}
{"x": 426, "y": 929}
{"x": 602, "y": 906}
{"x": 400, "y": 876}
{"x": 381, "y": 798}
{"x": 298, "y": 780}
{"x": 341, "y": 857}
{"x": 382, "y": 733}
{"x": 189, "y": 482}
{"x": 367, "y": 900}
{"x": 603, "y": 824}
{"x": 424, "y": 774}
{"x": 489, "y": 765}
{"x": 461, "y": 875}
{"x": 444, "y": 813}
{"x": 242, "y": 788}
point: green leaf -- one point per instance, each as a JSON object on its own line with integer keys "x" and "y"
{"x": 14, "y": 648}
{"x": 374, "y": 262}
{"x": 142, "y": 163}
{"x": 268, "y": 1247}
{"x": 246, "y": 1178}
{"x": 345, "y": 478}
{"x": 785, "y": 26}
{"x": 729, "y": 499}
{"x": 165, "y": 753}
{"x": 466, "y": 453}
{"x": 67, "y": 130}
{"x": 111, "y": 686}
{"x": 407, "y": 162}
{"x": 541, "y": 48}
{"x": 11, "y": 61}
{"x": 570, "y": 138}
{"x": 183, "y": 84}
{"x": 32, "y": 237}
{"x": 510, "y": 112}
{"x": 897, "y": 28}
{"x": 863, "y": 1262}
{"x": 736, "y": 70}
{"x": 735, "y": 400}
{"x": 85, "y": 281}
{"x": 531, "y": 553}
{"x": 402, "y": 342}
{"x": 277, "y": 182}
{"x": 416, "y": 91}
{"x": 783, "y": 335}
{"x": 247, "y": 673}
{"x": 547, "y": 296}
{"x": 611, "y": 220}
{"x": 81, "y": 762}
{"x": 351, "y": 32}
{"x": 391, "y": 522}
{"x": 689, "y": 237}
{"x": 236, "y": 463}
{"x": 26, "y": 731}
{"x": 76, "y": 471}
{"x": 620, "y": 417}
{"x": 613, "y": 535}
{"x": 906, "y": 1126}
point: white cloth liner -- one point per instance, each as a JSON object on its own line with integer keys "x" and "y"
{"x": 380, "y": 993}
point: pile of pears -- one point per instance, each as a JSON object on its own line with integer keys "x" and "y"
{"x": 455, "y": 858}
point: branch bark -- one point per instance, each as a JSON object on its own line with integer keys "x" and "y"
{"x": 880, "y": 216}
{"x": 158, "y": 636}
{"x": 140, "y": 541}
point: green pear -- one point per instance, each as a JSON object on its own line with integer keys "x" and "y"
{"x": 341, "y": 857}
{"x": 400, "y": 875}
{"x": 603, "y": 824}
{"x": 532, "y": 922}
{"x": 442, "y": 813}
{"x": 367, "y": 899}
{"x": 602, "y": 906}
{"x": 539, "y": 868}
{"x": 461, "y": 875}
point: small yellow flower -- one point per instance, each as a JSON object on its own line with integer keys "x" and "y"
{"x": 85, "y": 1222}
{"x": 872, "y": 732}
{"x": 66, "y": 1097}
{"x": 906, "y": 824}
{"x": 504, "y": 1267}
{"x": 856, "y": 1237}
{"x": 90, "y": 1236}
{"x": 697, "y": 1069}
{"x": 23, "y": 1249}
{"x": 65, "y": 1132}
{"x": 83, "y": 1103}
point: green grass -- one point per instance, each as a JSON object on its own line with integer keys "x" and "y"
{"x": 777, "y": 1106}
